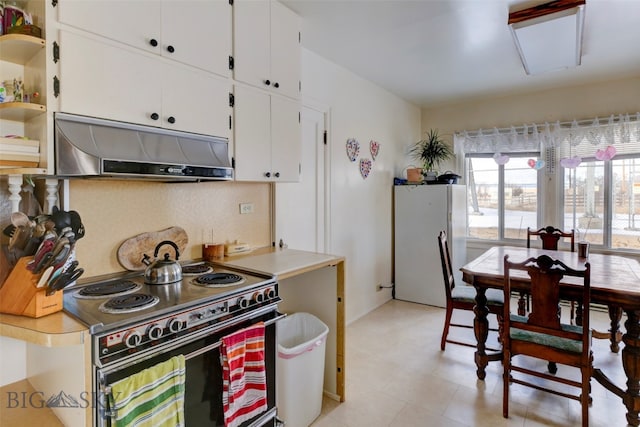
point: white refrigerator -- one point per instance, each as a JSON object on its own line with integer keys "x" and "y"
{"x": 420, "y": 213}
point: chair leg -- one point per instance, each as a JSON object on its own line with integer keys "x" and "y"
{"x": 506, "y": 376}
{"x": 445, "y": 331}
{"x": 572, "y": 314}
{"x": 523, "y": 304}
{"x": 579, "y": 313}
{"x": 585, "y": 397}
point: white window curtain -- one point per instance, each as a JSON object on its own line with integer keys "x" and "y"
{"x": 571, "y": 140}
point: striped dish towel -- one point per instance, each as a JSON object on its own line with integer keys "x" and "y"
{"x": 151, "y": 398}
{"x": 244, "y": 384}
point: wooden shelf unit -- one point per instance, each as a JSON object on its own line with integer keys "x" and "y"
{"x": 20, "y": 48}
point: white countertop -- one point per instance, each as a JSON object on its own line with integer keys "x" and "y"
{"x": 282, "y": 262}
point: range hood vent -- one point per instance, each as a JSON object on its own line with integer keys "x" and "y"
{"x": 87, "y": 147}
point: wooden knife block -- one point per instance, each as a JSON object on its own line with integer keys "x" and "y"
{"x": 20, "y": 294}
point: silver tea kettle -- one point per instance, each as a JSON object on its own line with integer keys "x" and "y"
{"x": 162, "y": 271}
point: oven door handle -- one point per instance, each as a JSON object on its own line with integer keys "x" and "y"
{"x": 275, "y": 319}
{"x": 219, "y": 343}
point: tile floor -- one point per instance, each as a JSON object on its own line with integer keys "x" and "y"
{"x": 397, "y": 376}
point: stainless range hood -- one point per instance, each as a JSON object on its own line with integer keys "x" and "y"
{"x": 87, "y": 147}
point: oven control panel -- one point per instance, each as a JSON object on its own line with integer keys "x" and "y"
{"x": 124, "y": 342}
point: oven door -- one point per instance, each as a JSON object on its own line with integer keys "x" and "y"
{"x": 203, "y": 384}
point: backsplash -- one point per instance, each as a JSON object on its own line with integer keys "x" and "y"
{"x": 113, "y": 211}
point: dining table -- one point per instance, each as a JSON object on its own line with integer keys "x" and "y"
{"x": 615, "y": 283}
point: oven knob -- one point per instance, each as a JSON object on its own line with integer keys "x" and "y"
{"x": 270, "y": 293}
{"x": 154, "y": 332}
{"x": 258, "y": 297}
{"x": 132, "y": 339}
{"x": 243, "y": 302}
{"x": 176, "y": 325}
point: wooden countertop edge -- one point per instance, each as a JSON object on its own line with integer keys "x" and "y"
{"x": 311, "y": 267}
{"x": 54, "y": 330}
{"x": 26, "y": 414}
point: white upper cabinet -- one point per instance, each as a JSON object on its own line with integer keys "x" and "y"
{"x": 266, "y": 46}
{"x": 197, "y": 33}
{"x": 267, "y": 137}
{"x": 103, "y": 80}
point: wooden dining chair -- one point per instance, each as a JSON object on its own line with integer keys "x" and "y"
{"x": 462, "y": 297}
{"x": 550, "y": 237}
{"x": 541, "y": 334}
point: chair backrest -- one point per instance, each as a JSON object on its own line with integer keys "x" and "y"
{"x": 445, "y": 259}
{"x": 545, "y": 275}
{"x": 550, "y": 237}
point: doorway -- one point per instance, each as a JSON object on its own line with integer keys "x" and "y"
{"x": 301, "y": 208}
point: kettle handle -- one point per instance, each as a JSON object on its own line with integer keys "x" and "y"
{"x": 166, "y": 242}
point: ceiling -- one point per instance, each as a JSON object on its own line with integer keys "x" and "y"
{"x": 434, "y": 52}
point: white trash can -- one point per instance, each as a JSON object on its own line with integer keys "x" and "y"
{"x": 301, "y": 339}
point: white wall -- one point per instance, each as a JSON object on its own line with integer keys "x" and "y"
{"x": 563, "y": 104}
{"x": 13, "y": 359}
{"x": 361, "y": 209}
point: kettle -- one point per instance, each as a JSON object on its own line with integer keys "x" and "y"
{"x": 162, "y": 271}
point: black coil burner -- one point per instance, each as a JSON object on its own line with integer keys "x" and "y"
{"x": 218, "y": 280}
{"x": 196, "y": 269}
{"x": 129, "y": 303}
{"x": 101, "y": 290}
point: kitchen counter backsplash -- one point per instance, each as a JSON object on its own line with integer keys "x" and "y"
{"x": 114, "y": 211}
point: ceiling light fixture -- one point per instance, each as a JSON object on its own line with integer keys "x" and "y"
{"x": 549, "y": 36}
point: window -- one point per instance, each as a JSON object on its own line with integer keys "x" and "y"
{"x": 503, "y": 199}
{"x": 575, "y": 175}
{"x": 588, "y": 204}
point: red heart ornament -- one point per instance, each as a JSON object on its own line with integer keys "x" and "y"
{"x": 531, "y": 163}
{"x": 374, "y": 147}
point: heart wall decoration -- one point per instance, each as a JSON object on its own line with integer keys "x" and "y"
{"x": 571, "y": 162}
{"x": 606, "y": 154}
{"x": 501, "y": 159}
{"x": 374, "y": 147}
{"x": 536, "y": 164}
{"x": 365, "y": 167}
{"x": 353, "y": 149}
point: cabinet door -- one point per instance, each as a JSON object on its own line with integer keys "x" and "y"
{"x": 285, "y": 139}
{"x": 251, "y": 42}
{"x": 285, "y": 50}
{"x": 252, "y": 135}
{"x": 97, "y": 79}
{"x": 134, "y": 22}
{"x": 199, "y": 33}
{"x": 197, "y": 101}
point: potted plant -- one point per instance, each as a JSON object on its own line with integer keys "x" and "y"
{"x": 431, "y": 151}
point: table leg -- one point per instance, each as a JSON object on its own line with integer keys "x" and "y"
{"x": 631, "y": 364}
{"x": 481, "y": 330}
{"x": 615, "y": 315}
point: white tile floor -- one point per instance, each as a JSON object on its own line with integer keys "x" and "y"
{"x": 397, "y": 376}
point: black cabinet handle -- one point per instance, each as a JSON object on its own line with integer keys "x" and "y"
{"x": 276, "y": 85}
{"x": 154, "y": 116}
{"x": 170, "y": 49}
{"x": 153, "y": 42}
{"x": 267, "y": 174}
{"x": 277, "y": 174}
{"x": 171, "y": 119}
{"x": 267, "y": 82}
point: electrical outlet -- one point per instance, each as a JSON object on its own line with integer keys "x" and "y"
{"x": 378, "y": 287}
{"x": 246, "y": 208}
